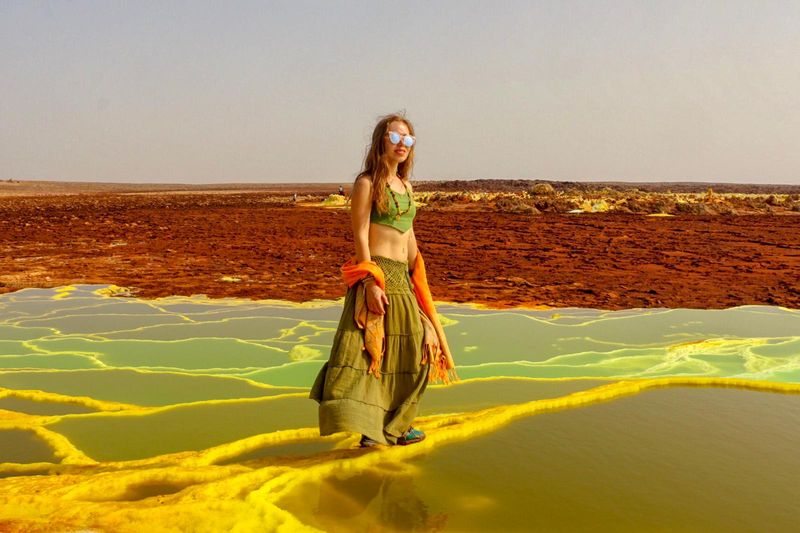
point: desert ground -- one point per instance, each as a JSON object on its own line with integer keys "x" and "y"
{"x": 500, "y": 243}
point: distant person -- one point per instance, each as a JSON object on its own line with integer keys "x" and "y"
{"x": 341, "y": 190}
{"x": 294, "y": 197}
{"x": 389, "y": 343}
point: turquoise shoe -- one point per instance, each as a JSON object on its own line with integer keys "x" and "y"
{"x": 411, "y": 436}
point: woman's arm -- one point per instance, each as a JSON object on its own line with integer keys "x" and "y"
{"x": 412, "y": 239}
{"x": 360, "y": 207}
{"x": 412, "y": 250}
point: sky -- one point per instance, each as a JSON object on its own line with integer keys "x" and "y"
{"x": 240, "y": 91}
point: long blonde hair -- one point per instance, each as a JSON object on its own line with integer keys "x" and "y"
{"x": 376, "y": 166}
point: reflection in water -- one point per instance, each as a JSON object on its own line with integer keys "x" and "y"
{"x": 381, "y": 498}
{"x": 119, "y": 413}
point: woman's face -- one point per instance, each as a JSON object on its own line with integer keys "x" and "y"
{"x": 396, "y": 152}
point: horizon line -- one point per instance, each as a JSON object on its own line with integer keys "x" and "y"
{"x": 216, "y": 183}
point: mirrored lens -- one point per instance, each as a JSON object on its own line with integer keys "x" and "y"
{"x": 394, "y": 137}
{"x": 408, "y": 140}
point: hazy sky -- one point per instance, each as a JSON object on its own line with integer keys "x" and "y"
{"x": 235, "y": 91}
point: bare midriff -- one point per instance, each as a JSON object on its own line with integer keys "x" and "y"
{"x": 388, "y": 242}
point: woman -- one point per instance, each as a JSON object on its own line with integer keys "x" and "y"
{"x": 389, "y": 342}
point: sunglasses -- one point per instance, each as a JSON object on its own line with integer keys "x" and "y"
{"x": 395, "y": 137}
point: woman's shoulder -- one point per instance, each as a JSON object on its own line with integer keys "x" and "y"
{"x": 362, "y": 189}
{"x": 364, "y": 180}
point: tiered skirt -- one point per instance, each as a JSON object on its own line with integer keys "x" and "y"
{"x": 352, "y": 400}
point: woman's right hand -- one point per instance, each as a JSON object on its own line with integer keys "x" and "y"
{"x": 376, "y": 299}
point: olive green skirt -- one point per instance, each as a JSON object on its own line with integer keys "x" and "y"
{"x": 352, "y": 400}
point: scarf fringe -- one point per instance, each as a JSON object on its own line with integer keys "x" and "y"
{"x": 440, "y": 374}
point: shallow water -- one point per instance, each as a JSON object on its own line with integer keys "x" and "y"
{"x": 676, "y": 459}
{"x": 22, "y": 446}
{"x": 193, "y": 413}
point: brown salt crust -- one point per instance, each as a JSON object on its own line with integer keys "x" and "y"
{"x": 188, "y": 243}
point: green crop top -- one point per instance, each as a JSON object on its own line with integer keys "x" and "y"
{"x": 402, "y": 224}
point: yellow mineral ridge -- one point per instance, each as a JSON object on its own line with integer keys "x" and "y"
{"x": 192, "y": 491}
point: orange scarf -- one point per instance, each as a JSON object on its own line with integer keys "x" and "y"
{"x": 435, "y": 349}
